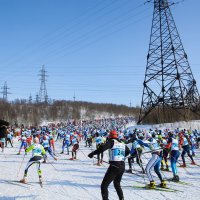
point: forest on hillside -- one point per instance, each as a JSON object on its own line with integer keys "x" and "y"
{"x": 20, "y": 111}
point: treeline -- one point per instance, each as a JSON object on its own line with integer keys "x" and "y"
{"x": 20, "y": 111}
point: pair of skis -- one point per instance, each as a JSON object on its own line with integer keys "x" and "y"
{"x": 158, "y": 188}
{"x": 18, "y": 182}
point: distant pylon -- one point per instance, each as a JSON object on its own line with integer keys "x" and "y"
{"x": 74, "y": 97}
{"x": 43, "y": 96}
{"x": 169, "y": 82}
{"x": 30, "y": 99}
{"x": 37, "y": 99}
{"x": 5, "y": 91}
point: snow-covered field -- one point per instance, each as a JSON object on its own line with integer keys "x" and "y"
{"x": 191, "y": 125}
{"x": 81, "y": 179}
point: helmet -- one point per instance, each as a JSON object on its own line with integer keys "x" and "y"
{"x": 160, "y": 137}
{"x": 134, "y": 137}
{"x": 44, "y": 137}
{"x": 36, "y": 140}
{"x": 113, "y": 134}
{"x": 97, "y": 134}
{"x": 150, "y": 139}
{"x": 170, "y": 134}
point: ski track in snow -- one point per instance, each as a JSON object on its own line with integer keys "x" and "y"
{"x": 81, "y": 180}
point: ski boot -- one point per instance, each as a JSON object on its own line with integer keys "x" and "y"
{"x": 175, "y": 178}
{"x": 129, "y": 170}
{"x": 162, "y": 168}
{"x": 152, "y": 185}
{"x": 163, "y": 184}
{"x": 98, "y": 163}
{"x": 61, "y": 152}
{"x": 18, "y": 153}
{"x": 167, "y": 168}
{"x": 23, "y": 180}
{"x": 193, "y": 163}
{"x": 183, "y": 165}
{"x": 71, "y": 158}
{"x": 101, "y": 161}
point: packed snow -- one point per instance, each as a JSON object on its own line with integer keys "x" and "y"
{"x": 81, "y": 179}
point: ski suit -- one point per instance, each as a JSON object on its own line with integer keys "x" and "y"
{"x": 117, "y": 153}
{"x": 155, "y": 160}
{"x": 37, "y": 153}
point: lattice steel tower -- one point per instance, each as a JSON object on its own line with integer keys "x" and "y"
{"x": 43, "y": 97}
{"x": 5, "y": 91}
{"x": 169, "y": 82}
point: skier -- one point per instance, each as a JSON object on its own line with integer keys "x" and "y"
{"x": 99, "y": 143}
{"x": 59, "y": 134}
{"x": 46, "y": 144}
{"x": 28, "y": 137}
{"x": 172, "y": 145}
{"x": 136, "y": 151}
{"x": 193, "y": 144}
{"x": 3, "y": 132}
{"x": 163, "y": 142}
{"x": 66, "y": 143}
{"x": 37, "y": 153}
{"x": 9, "y": 138}
{"x": 75, "y": 146}
{"x": 23, "y": 143}
{"x": 155, "y": 161}
{"x": 184, "y": 143}
{"x": 52, "y": 142}
{"x": 117, "y": 153}
{"x": 88, "y": 140}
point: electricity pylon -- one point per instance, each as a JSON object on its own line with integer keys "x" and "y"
{"x": 169, "y": 83}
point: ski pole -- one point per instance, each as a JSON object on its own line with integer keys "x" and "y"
{"x": 195, "y": 164}
{"x": 152, "y": 151}
{"x": 20, "y": 165}
{"x": 83, "y": 154}
{"x": 51, "y": 164}
{"x": 107, "y": 162}
{"x": 92, "y": 150}
{"x": 140, "y": 163}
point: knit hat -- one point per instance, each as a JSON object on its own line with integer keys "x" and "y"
{"x": 113, "y": 134}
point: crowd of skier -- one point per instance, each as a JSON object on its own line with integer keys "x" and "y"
{"x": 163, "y": 147}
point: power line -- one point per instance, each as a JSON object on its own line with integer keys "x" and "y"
{"x": 125, "y": 13}
{"x": 85, "y": 12}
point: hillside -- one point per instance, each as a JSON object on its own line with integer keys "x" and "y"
{"x": 20, "y": 111}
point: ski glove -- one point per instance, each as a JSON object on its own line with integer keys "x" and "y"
{"x": 90, "y": 155}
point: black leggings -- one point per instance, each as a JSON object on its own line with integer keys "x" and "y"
{"x": 186, "y": 149}
{"x": 9, "y": 140}
{"x": 114, "y": 173}
{"x": 136, "y": 154}
{"x": 99, "y": 154}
